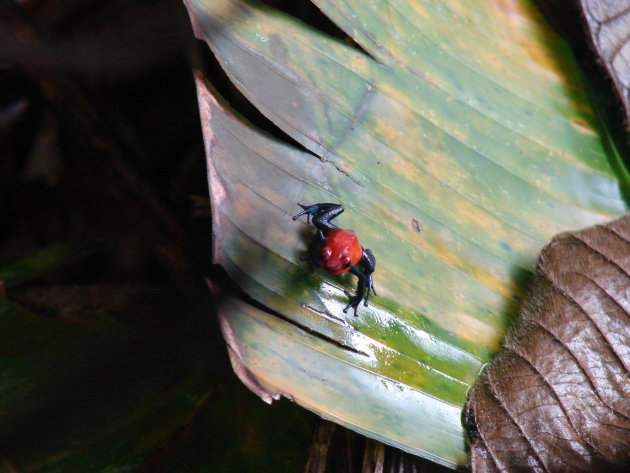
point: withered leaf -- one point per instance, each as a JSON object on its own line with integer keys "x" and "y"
{"x": 598, "y": 31}
{"x": 609, "y": 22}
{"x": 557, "y": 397}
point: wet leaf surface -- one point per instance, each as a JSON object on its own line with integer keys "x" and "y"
{"x": 457, "y": 156}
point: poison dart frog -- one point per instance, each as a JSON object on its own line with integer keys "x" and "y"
{"x": 338, "y": 251}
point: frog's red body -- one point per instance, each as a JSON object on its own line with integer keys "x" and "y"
{"x": 338, "y": 251}
{"x": 341, "y": 249}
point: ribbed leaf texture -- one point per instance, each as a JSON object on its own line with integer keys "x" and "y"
{"x": 609, "y": 23}
{"x": 557, "y": 397}
{"x": 459, "y": 138}
{"x": 598, "y": 32}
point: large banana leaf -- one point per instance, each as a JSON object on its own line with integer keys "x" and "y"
{"x": 459, "y": 139}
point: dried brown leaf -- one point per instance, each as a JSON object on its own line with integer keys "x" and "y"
{"x": 599, "y": 32}
{"x": 557, "y": 397}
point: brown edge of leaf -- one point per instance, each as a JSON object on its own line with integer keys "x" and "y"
{"x": 195, "y": 25}
{"x": 243, "y": 373}
{"x": 218, "y": 192}
{"x": 234, "y": 352}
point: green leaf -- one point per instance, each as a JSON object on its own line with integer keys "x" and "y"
{"x": 95, "y": 395}
{"x": 43, "y": 261}
{"x": 459, "y": 140}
